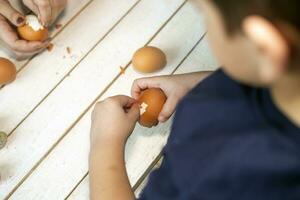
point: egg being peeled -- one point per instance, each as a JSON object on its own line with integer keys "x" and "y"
{"x": 33, "y": 30}
{"x": 149, "y": 59}
{"x": 151, "y": 104}
{"x": 8, "y": 71}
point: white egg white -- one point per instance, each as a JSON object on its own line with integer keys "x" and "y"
{"x": 34, "y": 22}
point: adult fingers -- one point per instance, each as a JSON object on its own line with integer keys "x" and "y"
{"x": 168, "y": 108}
{"x": 11, "y": 39}
{"x": 32, "y": 6}
{"x": 45, "y": 11}
{"x": 56, "y": 10}
{"x": 27, "y": 47}
{"x": 22, "y": 56}
{"x": 11, "y": 14}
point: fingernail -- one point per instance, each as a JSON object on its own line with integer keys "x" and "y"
{"x": 20, "y": 20}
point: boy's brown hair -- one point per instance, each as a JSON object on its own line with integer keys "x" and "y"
{"x": 284, "y": 14}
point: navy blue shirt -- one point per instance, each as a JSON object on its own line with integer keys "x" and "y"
{"x": 228, "y": 142}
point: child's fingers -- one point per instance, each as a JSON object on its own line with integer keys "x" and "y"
{"x": 122, "y": 100}
{"x": 168, "y": 109}
{"x": 141, "y": 84}
{"x": 134, "y": 112}
{"x": 11, "y": 14}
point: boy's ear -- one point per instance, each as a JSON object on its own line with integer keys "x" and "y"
{"x": 272, "y": 47}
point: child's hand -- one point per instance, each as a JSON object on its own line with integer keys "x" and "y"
{"x": 9, "y": 37}
{"x": 113, "y": 120}
{"x": 175, "y": 87}
{"x": 46, "y": 10}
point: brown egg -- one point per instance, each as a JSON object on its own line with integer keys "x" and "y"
{"x": 33, "y": 30}
{"x": 8, "y": 71}
{"x": 149, "y": 59}
{"x": 151, "y": 103}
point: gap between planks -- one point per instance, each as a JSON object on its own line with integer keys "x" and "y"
{"x": 96, "y": 99}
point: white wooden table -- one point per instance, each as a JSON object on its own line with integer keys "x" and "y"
{"x": 46, "y": 111}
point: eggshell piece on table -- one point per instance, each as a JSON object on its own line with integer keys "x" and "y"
{"x": 149, "y": 59}
{"x": 8, "y": 71}
{"x": 33, "y": 30}
{"x": 151, "y": 104}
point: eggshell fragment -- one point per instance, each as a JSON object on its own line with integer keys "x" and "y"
{"x": 8, "y": 71}
{"x": 149, "y": 59}
{"x": 33, "y": 29}
{"x": 151, "y": 103}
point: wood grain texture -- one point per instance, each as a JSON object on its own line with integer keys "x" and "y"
{"x": 36, "y": 80}
{"x": 60, "y": 110}
{"x": 47, "y": 153}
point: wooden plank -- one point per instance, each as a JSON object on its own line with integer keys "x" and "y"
{"x": 200, "y": 60}
{"x": 72, "y": 9}
{"x": 72, "y": 162}
{"x": 46, "y": 70}
{"x": 15, "y": 107}
{"x": 47, "y": 124}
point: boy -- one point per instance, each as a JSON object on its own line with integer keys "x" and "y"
{"x": 236, "y": 135}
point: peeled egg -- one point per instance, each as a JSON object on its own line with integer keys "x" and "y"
{"x": 151, "y": 103}
{"x": 149, "y": 59}
{"x": 33, "y": 30}
{"x": 8, "y": 71}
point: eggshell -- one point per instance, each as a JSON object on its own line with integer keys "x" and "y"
{"x": 8, "y": 71}
{"x": 33, "y": 30}
{"x": 151, "y": 103}
{"x": 149, "y": 59}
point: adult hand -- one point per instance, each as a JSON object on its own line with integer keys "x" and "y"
{"x": 46, "y": 10}
{"x": 9, "y": 17}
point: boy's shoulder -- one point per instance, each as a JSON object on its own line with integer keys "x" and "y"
{"x": 218, "y": 104}
{"x": 220, "y": 137}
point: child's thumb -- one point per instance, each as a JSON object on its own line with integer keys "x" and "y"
{"x": 11, "y": 14}
{"x": 134, "y": 112}
{"x": 168, "y": 109}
